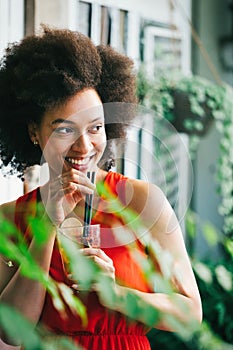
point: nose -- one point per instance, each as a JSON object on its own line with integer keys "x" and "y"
{"x": 83, "y": 144}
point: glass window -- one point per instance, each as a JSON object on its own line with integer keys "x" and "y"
{"x": 84, "y": 20}
{"x": 123, "y": 30}
{"x": 161, "y": 49}
{"x": 106, "y": 24}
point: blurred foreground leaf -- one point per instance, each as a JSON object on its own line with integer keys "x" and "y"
{"x": 18, "y": 328}
{"x": 210, "y": 233}
{"x": 224, "y": 278}
{"x": 31, "y": 338}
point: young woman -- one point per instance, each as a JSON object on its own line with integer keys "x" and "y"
{"x": 54, "y": 92}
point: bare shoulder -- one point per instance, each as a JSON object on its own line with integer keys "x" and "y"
{"x": 142, "y": 196}
{"x": 151, "y": 204}
{"x": 143, "y": 188}
{"x": 7, "y": 210}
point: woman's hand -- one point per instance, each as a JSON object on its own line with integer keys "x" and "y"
{"x": 102, "y": 260}
{"x": 64, "y": 193}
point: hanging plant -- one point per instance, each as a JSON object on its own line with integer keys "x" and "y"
{"x": 191, "y": 104}
{"x": 224, "y": 124}
{"x": 187, "y": 102}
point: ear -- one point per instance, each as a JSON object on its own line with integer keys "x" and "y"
{"x": 32, "y": 130}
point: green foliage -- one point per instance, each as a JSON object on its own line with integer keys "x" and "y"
{"x": 191, "y": 103}
{"x": 13, "y": 246}
{"x": 224, "y": 124}
{"x": 215, "y": 281}
{"x": 84, "y": 270}
{"x": 203, "y": 96}
{"x": 218, "y": 298}
{"x": 23, "y": 332}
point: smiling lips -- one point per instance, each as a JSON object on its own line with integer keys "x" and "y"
{"x": 79, "y": 162}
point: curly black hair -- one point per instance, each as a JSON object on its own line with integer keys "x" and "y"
{"x": 43, "y": 71}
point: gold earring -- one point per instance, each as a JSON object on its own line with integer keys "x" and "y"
{"x": 35, "y": 142}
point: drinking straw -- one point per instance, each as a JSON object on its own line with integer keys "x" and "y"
{"x": 88, "y": 205}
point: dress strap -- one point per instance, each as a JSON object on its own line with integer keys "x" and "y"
{"x": 117, "y": 183}
{"x": 25, "y": 206}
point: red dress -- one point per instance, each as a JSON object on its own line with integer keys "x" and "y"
{"x": 106, "y": 329}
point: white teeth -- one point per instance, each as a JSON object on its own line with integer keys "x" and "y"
{"x": 78, "y": 161}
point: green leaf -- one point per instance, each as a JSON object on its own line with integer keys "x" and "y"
{"x": 7, "y": 227}
{"x": 210, "y": 233}
{"x": 203, "y": 272}
{"x": 150, "y": 315}
{"x": 131, "y": 305}
{"x": 224, "y": 277}
{"x": 191, "y": 224}
{"x": 18, "y": 328}
{"x": 220, "y": 307}
{"x": 75, "y": 304}
{"x": 161, "y": 285}
{"x": 59, "y": 343}
{"x": 106, "y": 290}
{"x": 83, "y": 269}
{"x": 229, "y": 246}
{"x": 21, "y": 331}
{"x": 40, "y": 230}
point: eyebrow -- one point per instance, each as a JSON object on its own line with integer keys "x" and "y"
{"x": 67, "y": 121}
{"x": 60, "y": 121}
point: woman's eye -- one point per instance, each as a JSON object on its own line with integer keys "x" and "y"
{"x": 64, "y": 130}
{"x": 96, "y": 128}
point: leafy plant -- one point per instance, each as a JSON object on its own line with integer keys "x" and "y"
{"x": 215, "y": 281}
{"x": 25, "y": 333}
{"x": 193, "y": 99}
{"x": 14, "y": 247}
{"x": 191, "y": 104}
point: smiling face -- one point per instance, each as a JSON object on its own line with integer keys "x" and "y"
{"x": 73, "y": 134}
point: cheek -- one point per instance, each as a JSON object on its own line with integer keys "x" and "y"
{"x": 54, "y": 151}
{"x": 101, "y": 145}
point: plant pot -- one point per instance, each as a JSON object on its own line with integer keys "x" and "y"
{"x": 185, "y": 120}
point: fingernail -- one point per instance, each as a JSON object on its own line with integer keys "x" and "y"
{"x": 75, "y": 287}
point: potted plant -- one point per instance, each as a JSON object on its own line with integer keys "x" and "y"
{"x": 187, "y": 102}
{"x": 191, "y": 103}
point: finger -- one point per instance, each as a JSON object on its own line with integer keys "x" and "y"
{"x": 76, "y": 287}
{"x": 62, "y": 187}
{"x": 80, "y": 189}
{"x": 107, "y": 267}
{"x": 78, "y": 177}
{"x": 96, "y": 252}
